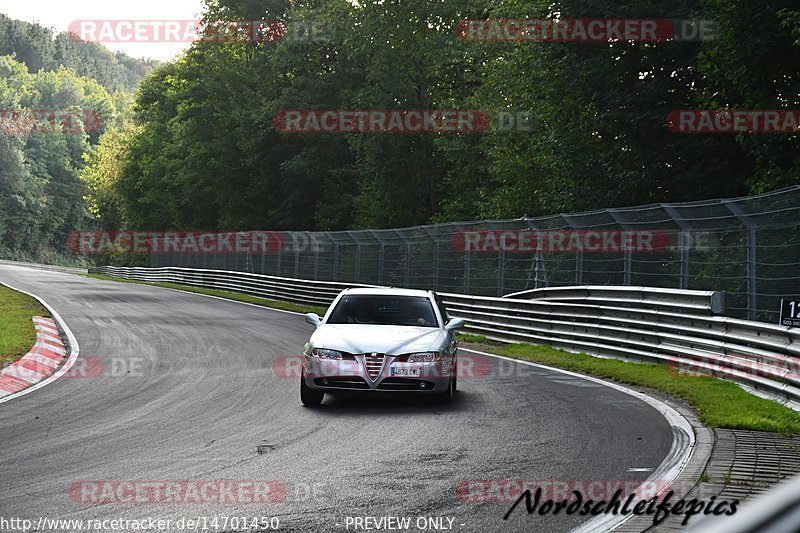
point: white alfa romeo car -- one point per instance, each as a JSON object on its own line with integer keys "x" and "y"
{"x": 381, "y": 341}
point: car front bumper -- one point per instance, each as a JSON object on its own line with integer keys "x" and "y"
{"x": 332, "y": 375}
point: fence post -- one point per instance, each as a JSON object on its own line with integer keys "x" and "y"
{"x": 752, "y": 280}
{"x": 336, "y": 262}
{"x": 316, "y": 261}
{"x": 501, "y": 272}
{"x": 628, "y": 268}
{"x": 744, "y": 218}
{"x": 436, "y": 265}
{"x": 570, "y": 220}
{"x": 408, "y": 266}
{"x": 686, "y": 241}
{"x": 540, "y": 266}
{"x": 628, "y": 259}
{"x": 358, "y": 263}
{"x": 538, "y": 263}
{"x": 380, "y": 265}
{"x": 296, "y": 260}
{"x": 467, "y": 267}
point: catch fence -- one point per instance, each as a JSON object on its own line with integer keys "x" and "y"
{"x": 747, "y": 247}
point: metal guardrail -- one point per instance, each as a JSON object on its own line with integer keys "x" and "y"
{"x": 52, "y": 268}
{"x": 776, "y": 511}
{"x": 642, "y": 324}
{"x": 300, "y": 291}
{"x": 705, "y": 302}
{"x": 747, "y": 247}
{"x": 755, "y": 354}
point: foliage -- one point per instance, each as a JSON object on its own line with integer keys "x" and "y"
{"x": 40, "y": 190}
{"x": 39, "y": 49}
{"x": 206, "y": 155}
{"x": 42, "y": 159}
{"x": 201, "y": 151}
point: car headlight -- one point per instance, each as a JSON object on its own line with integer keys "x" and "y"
{"x": 426, "y": 357}
{"x": 326, "y": 354}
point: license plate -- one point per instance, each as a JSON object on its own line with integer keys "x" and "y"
{"x": 405, "y": 372}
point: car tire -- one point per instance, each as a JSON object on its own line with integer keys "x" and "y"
{"x": 455, "y": 378}
{"x": 309, "y": 396}
{"x": 447, "y": 396}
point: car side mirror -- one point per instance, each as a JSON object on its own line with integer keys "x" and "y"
{"x": 313, "y": 319}
{"x": 456, "y": 323}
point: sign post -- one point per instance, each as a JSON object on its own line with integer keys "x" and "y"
{"x": 790, "y": 313}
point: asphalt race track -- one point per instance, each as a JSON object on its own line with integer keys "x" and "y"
{"x": 175, "y": 386}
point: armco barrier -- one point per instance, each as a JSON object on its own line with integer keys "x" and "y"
{"x": 644, "y": 324}
{"x": 287, "y": 289}
{"x": 39, "y": 266}
{"x": 704, "y": 302}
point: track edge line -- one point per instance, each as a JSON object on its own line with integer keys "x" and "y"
{"x": 678, "y": 457}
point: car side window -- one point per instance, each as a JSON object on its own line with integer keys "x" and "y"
{"x": 442, "y": 308}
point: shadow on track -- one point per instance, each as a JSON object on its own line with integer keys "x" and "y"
{"x": 396, "y": 405}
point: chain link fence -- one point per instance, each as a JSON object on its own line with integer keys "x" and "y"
{"x": 748, "y": 247}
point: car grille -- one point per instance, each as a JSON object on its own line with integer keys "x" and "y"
{"x": 373, "y": 362}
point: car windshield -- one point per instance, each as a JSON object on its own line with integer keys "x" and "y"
{"x": 384, "y": 310}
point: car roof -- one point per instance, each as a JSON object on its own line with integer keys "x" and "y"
{"x": 389, "y": 291}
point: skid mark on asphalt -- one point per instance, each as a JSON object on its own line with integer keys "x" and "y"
{"x": 262, "y": 449}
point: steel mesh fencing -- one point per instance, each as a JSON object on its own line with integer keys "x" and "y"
{"x": 748, "y": 247}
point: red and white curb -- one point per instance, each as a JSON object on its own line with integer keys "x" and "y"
{"x": 48, "y": 359}
{"x": 39, "y": 363}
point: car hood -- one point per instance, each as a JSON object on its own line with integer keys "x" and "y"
{"x": 364, "y": 338}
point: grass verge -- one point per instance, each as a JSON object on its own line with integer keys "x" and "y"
{"x": 230, "y": 295}
{"x": 720, "y": 404}
{"x": 17, "y": 333}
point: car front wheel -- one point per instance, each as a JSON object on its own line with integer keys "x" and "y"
{"x": 308, "y": 395}
{"x": 448, "y": 395}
